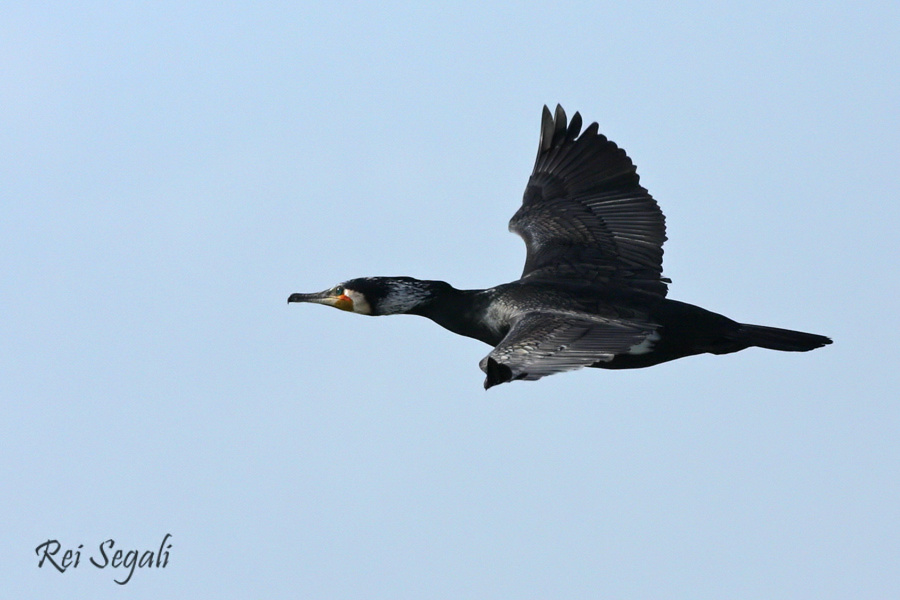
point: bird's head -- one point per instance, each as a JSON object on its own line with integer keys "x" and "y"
{"x": 373, "y": 295}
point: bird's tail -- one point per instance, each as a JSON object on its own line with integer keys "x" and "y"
{"x": 786, "y": 340}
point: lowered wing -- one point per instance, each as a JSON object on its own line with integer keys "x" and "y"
{"x": 541, "y": 344}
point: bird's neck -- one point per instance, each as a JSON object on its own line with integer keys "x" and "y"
{"x": 460, "y": 311}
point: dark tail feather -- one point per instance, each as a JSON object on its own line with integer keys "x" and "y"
{"x": 781, "y": 339}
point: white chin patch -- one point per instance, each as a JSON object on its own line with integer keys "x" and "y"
{"x": 360, "y": 305}
{"x": 645, "y": 346}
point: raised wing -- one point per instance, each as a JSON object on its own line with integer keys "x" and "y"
{"x": 541, "y": 344}
{"x": 585, "y": 216}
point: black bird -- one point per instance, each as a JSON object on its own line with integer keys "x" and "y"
{"x": 592, "y": 293}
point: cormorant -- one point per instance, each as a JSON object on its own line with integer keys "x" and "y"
{"x": 592, "y": 292}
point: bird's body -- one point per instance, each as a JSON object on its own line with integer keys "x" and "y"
{"x": 592, "y": 292}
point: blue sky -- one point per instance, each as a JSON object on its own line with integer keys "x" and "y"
{"x": 172, "y": 172}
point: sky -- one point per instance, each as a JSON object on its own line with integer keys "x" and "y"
{"x": 172, "y": 171}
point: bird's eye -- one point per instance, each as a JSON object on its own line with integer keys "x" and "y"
{"x": 338, "y": 291}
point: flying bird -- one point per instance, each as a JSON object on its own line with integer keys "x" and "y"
{"x": 592, "y": 292}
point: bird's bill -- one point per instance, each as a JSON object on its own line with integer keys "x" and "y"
{"x": 341, "y": 301}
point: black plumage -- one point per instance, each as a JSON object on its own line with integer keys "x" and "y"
{"x": 592, "y": 292}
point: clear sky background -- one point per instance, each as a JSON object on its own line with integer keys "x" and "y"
{"x": 170, "y": 172}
